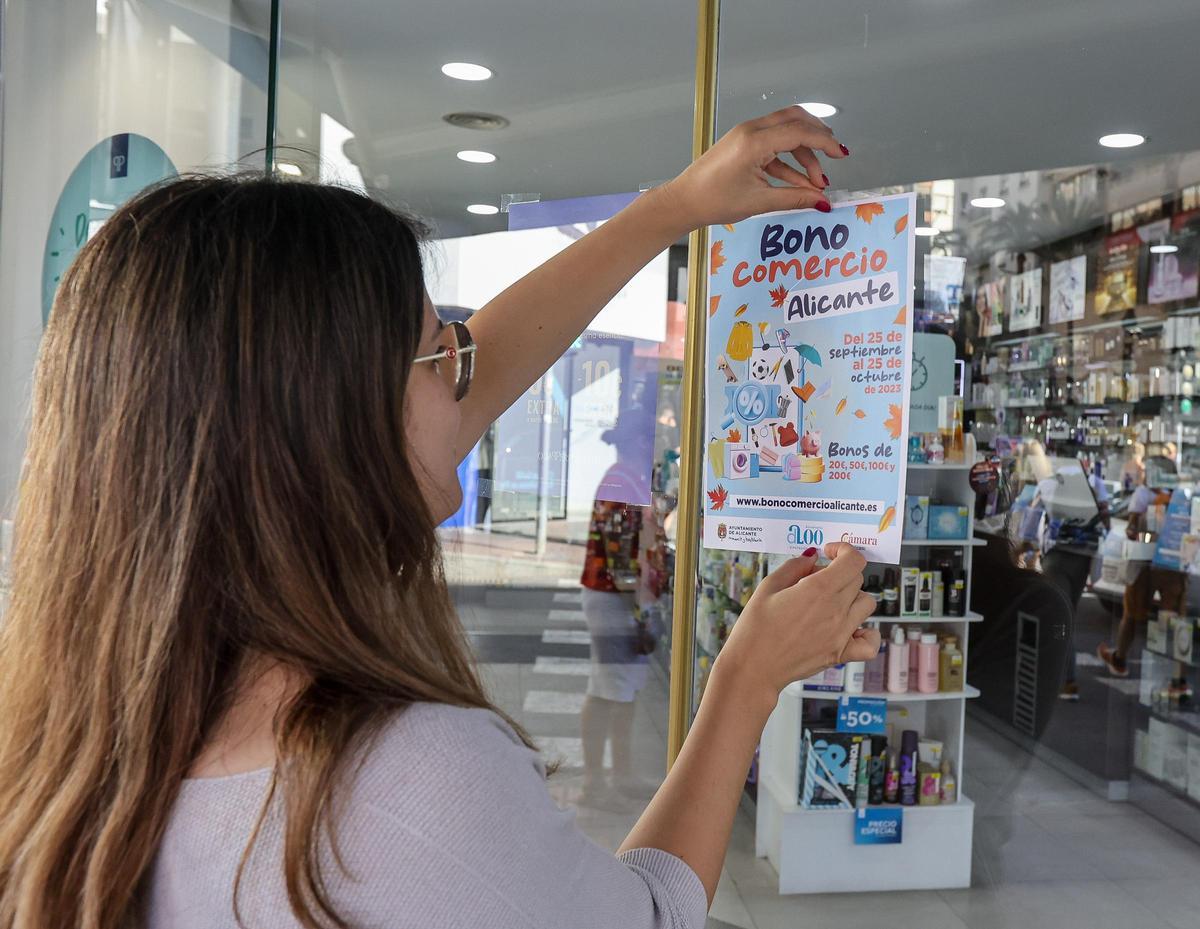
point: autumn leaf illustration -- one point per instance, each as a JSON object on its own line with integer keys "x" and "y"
{"x": 718, "y": 497}
{"x": 886, "y": 520}
{"x": 892, "y": 423}
{"x": 728, "y": 226}
{"x": 868, "y": 211}
{"x": 734, "y": 435}
{"x": 841, "y": 406}
{"x": 860, "y": 414}
{"x": 901, "y": 317}
{"x": 740, "y": 310}
{"x": 778, "y": 296}
{"x": 712, "y": 304}
{"x": 901, "y": 224}
{"x": 716, "y": 256}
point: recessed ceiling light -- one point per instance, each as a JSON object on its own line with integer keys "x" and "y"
{"x": 820, "y": 110}
{"x": 1164, "y": 249}
{"x": 483, "y": 209}
{"x": 477, "y": 158}
{"x": 987, "y": 203}
{"x": 465, "y": 71}
{"x": 1122, "y": 140}
{"x": 286, "y": 167}
{"x": 925, "y": 230}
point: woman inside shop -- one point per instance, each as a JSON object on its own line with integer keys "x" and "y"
{"x": 233, "y": 686}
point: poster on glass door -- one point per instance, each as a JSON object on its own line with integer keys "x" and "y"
{"x": 807, "y": 372}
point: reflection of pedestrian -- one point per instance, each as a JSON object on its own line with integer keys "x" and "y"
{"x": 617, "y": 585}
{"x": 1170, "y": 585}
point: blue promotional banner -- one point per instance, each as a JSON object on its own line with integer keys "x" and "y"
{"x": 879, "y": 826}
{"x": 808, "y": 370}
{"x": 863, "y": 715}
{"x": 1175, "y": 526}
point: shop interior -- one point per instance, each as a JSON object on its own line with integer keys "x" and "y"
{"x": 1049, "y": 528}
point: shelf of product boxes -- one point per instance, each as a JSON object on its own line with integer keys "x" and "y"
{"x": 952, "y": 466}
{"x": 967, "y": 693}
{"x": 947, "y": 543}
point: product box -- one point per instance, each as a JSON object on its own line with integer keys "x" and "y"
{"x": 1156, "y": 746}
{"x": 949, "y": 522}
{"x": 1193, "y": 766}
{"x": 1183, "y": 635}
{"x": 836, "y": 763}
{"x": 1153, "y": 669}
{"x": 1175, "y": 757}
{"x": 1158, "y": 635}
{"x": 1140, "y": 748}
{"x": 910, "y": 582}
{"x": 916, "y": 517}
{"x": 831, "y": 679}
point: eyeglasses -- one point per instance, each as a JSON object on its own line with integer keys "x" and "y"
{"x": 455, "y": 363}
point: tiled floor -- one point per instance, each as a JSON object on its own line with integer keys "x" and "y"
{"x": 1048, "y": 852}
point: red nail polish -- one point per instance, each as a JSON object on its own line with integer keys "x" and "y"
{"x": 845, "y": 151}
{"x": 809, "y": 552}
{"x": 825, "y": 180}
{"x": 824, "y": 206}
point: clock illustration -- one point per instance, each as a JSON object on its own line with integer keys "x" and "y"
{"x": 108, "y": 175}
{"x": 920, "y": 374}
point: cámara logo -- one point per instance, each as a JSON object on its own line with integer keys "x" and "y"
{"x": 859, "y": 539}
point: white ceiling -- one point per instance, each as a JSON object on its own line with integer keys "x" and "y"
{"x": 600, "y": 95}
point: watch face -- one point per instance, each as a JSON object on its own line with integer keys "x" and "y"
{"x": 108, "y": 175}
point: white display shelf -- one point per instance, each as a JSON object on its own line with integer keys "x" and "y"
{"x": 954, "y": 466}
{"x": 969, "y": 617}
{"x": 813, "y": 851}
{"x": 947, "y": 543}
{"x": 967, "y": 693}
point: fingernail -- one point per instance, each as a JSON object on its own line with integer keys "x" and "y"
{"x": 824, "y": 206}
{"x": 825, "y": 180}
{"x": 809, "y": 552}
{"x": 845, "y": 151}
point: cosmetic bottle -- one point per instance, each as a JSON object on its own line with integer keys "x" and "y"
{"x": 856, "y": 672}
{"x": 891, "y": 780}
{"x": 862, "y": 784}
{"x": 876, "y": 676}
{"x": 949, "y": 784}
{"x": 910, "y": 578}
{"x": 950, "y": 667}
{"x": 877, "y": 776}
{"x": 927, "y": 664}
{"x": 925, "y": 596}
{"x": 873, "y": 588}
{"x": 897, "y": 662}
{"x": 890, "y": 604}
{"x": 914, "y": 658}
{"x": 958, "y": 595}
{"x": 938, "y": 606}
{"x": 908, "y": 768}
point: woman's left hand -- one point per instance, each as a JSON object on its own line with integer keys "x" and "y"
{"x": 732, "y": 179}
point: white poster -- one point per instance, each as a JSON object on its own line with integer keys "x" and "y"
{"x": 1025, "y": 301}
{"x": 808, "y": 368}
{"x": 1068, "y": 289}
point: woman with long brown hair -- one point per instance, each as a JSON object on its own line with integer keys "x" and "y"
{"x": 233, "y": 689}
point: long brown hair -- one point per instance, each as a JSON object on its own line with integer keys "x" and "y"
{"x": 216, "y": 471}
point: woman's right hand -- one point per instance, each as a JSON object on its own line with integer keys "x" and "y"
{"x": 800, "y": 621}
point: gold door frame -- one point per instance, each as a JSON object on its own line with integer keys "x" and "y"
{"x": 687, "y": 537}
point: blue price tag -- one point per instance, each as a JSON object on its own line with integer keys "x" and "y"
{"x": 863, "y": 715}
{"x": 879, "y": 826}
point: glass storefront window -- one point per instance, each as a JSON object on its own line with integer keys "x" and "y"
{"x": 1057, "y": 308}
{"x": 100, "y": 100}
{"x": 1055, "y": 299}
